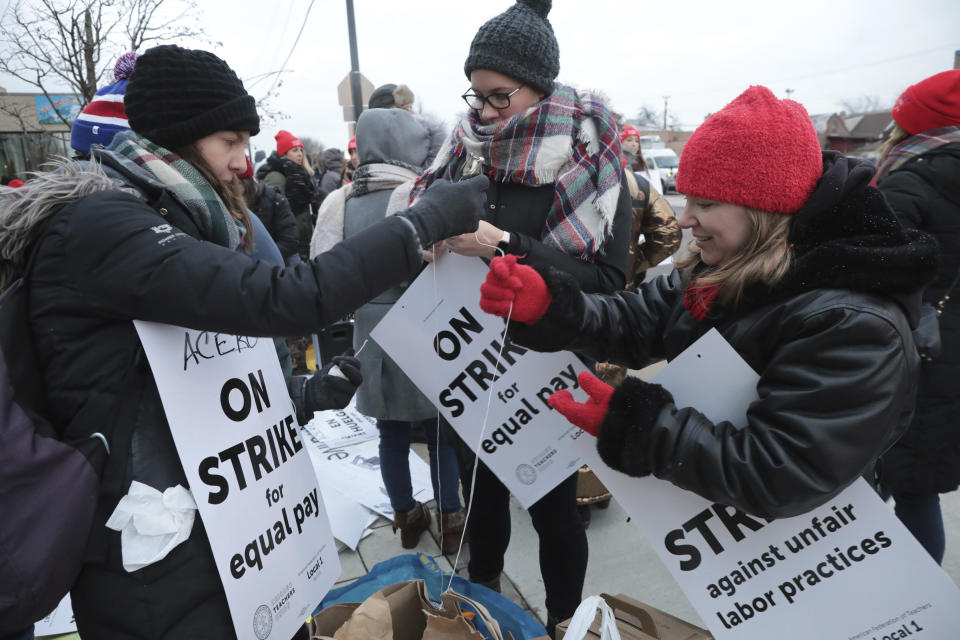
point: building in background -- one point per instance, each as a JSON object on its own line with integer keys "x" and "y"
{"x": 32, "y": 129}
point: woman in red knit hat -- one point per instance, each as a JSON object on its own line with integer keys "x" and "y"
{"x": 289, "y": 171}
{"x": 804, "y": 270}
{"x": 918, "y": 174}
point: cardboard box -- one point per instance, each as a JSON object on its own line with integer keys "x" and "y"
{"x": 639, "y": 621}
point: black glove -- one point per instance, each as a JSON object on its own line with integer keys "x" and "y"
{"x": 298, "y": 188}
{"x": 448, "y": 209}
{"x": 326, "y": 389}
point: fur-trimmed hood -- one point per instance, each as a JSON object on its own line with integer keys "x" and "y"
{"x": 847, "y": 237}
{"x": 24, "y": 212}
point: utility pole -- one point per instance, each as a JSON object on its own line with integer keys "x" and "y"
{"x": 665, "y": 100}
{"x": 956, "y": 59}
{"x": 354, "y": 64}
{"x": 789, "y": 93}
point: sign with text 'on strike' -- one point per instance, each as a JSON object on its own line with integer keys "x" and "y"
{"x": 848, "y": 570}
{"x": 458, "y": 357}
{"x": 240, "y": 445}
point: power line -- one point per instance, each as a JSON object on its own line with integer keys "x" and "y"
{"x": 822, "y": 73}
{"x": 287, "y": 59}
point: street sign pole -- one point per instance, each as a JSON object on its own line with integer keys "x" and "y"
{"x": 354, "y": 64}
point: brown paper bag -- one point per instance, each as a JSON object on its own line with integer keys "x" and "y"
{"x": 402, "y": 611}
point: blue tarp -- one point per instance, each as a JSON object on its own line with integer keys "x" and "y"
{"x": 422, "y": 567}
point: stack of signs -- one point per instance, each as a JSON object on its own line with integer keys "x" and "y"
{"x": 234, "y": 427}
{"x": 344, "y": 449}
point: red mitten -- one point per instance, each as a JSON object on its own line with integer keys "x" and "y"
{"x": 511, "y": 283}
{"x": 586, "y": 415}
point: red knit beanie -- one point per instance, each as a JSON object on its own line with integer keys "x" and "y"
{"x": 628, "y": 131}
{"x": 930, "y": 104}
{"x": 352, "y": 145}
{"x": 286, "y": 141}
{"x": 758, "y": 152}
{"x": 248, "y": 172}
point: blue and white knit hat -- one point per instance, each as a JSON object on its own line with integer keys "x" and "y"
{"x": 105, "y": 116}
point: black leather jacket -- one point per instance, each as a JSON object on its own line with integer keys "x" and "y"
{"x": 831, "y": 343}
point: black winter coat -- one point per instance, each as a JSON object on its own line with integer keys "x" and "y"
{"x": 274, "y": 211}
{"x": 925, "y": 194}
{"x": 522, "y": 211}
{"x": 832, "y": 344}
{"x": 110, "y": 258}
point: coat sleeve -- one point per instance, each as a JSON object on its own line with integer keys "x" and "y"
{"x": 276, "y": 180}
{"x": 661, "y": 233}
{"x": 607, "y": 273}
{"x": 830, "y": 401}
{"x": 126, "y": 263}
{"x": 908, "y": 195}
{"x": 285, "y": 231}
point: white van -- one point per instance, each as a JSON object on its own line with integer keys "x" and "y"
{"x": 665, "y": 162}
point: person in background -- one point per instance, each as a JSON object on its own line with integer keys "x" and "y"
{"x": 919, "y": 174}
{"x": 393, "y": 148}
{"x": 164, "y": 245}
{"x": 273, "y": 210}
{"x": 351, "y": 164}
{"x": 556, "y": 198}
{"x": 803, "y": 269}
{"x": 332, "y": 177}
{"x": 104, "y": 116}
{"x": 392, "y": 96}
{"x": 288, "y": 170}
{"x": 633, "y": 156}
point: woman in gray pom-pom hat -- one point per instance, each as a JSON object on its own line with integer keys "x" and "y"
{"x": 552, "y": 153}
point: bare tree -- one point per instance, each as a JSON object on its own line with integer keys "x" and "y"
{"x": 73, "y": 44}
{"x": 311, "y": 146}
{"x": 863, "y": 104}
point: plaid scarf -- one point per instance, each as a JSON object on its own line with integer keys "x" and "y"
{"x": 166, "y": 169}
{"x": 569, "y": 140}
{"x": 916, "y": 146}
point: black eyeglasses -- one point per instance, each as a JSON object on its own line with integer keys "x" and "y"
{"x": 498, "y": 100}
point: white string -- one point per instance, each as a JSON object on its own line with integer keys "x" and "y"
{"x": 483, "y": 429}
{"x": 361, "y": 347}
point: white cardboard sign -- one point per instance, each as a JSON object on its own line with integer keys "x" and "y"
{"x": 342, "y": 427}
{"x": 847, "y": 570}
{"x": 234, "y": 427}
{"x": 451, "y": 350}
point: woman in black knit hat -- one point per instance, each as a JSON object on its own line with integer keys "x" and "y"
{"x": 149, "y": 230}
{"x": 553, "y": 155}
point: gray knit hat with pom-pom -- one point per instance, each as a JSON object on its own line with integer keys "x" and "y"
{"x": 518, "y": 43}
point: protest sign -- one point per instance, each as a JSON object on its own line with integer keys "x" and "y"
{"x": 234, "y": 427}
{"x": 59, "y": 621}
{"x": 457, "y": 356}
{"x": 354, "y": 471}
{"x": 342, "y": 427}
{"x": 848, "y": 569}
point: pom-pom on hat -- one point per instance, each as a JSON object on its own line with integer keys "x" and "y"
{"x": 518, "y": 43}
{"x": 629, "y": 131}
{"x": 286, "y": 141}
{"x": 104, "y": 116}
{"x": 758, "y": 152}
{"x": 930, "y": 104}
{"x": 177, "y": 96}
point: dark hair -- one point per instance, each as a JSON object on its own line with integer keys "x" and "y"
{"x": 228, "y": 195}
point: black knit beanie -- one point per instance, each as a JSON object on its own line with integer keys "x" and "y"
{"x": 518, "y": 43}
{"x": 177, "y": 96}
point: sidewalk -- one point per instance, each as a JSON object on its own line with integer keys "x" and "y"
{"x": 620, "y": 560}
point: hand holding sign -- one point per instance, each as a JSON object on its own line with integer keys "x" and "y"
{"x": 586, "y": 415}
{"x": 509, "y": 283}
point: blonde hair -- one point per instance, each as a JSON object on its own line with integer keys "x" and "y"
{"x": 764, "y": 259}
{"x": 897, "y": 135}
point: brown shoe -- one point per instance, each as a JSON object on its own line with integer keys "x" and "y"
{"x": 452, "y": 529}
{"x": 411, "y": 524}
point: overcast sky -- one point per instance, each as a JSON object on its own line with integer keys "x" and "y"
{"x": 701, "y": 54}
